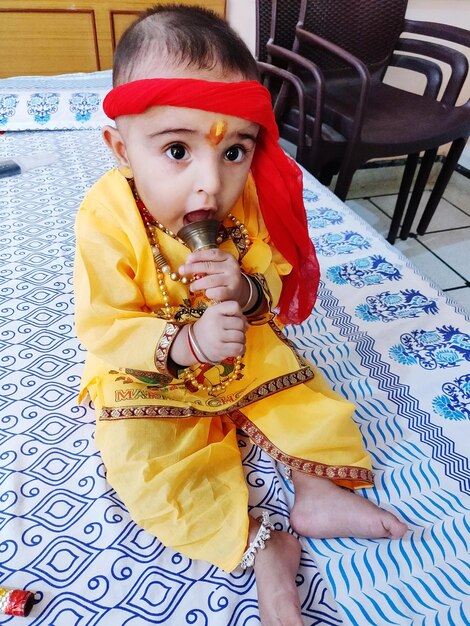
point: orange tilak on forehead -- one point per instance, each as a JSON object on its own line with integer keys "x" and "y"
{"x": 217, "y": 132}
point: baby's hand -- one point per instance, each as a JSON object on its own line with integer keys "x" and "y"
{"x": 219, "y": 276}
{"x": 220, "y": 332}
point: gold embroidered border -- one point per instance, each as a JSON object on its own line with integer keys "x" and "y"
{"x": 268, "y": 388}
{"x": 282, "y": 337}
{"x": 162, "y": 350}
{"x": 238, "y": 239}
{"x": 265, "y": 287}
{"x": 321, "y": 470}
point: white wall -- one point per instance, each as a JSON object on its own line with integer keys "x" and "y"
{"x": 455, "y": 12}
{"x": 241, "y": 14}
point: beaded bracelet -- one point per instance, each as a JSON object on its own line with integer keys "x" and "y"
{"x": 259, "y": 542}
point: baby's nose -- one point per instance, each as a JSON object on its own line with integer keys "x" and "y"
{"x": 209, "y": 180}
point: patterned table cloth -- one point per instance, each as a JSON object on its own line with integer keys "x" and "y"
{"x": 383, "y": 335}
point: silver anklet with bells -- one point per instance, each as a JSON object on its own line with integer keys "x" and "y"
{"x": 259, "y": 542}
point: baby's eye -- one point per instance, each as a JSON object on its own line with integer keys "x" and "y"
{"x": 235, "y": 153}
{"x": 177, "y": 152}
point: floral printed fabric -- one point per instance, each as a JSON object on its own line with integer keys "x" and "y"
{"x": 66, "y": 102}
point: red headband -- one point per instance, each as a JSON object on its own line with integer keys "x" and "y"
{"x": 278, "y": 179}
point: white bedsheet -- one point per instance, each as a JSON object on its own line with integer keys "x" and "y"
{"x": 383, "y": 335}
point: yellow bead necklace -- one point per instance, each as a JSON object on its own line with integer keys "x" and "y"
{"x": 163, "y": 268}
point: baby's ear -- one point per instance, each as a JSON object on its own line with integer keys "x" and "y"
{"x": 115, "y": 142}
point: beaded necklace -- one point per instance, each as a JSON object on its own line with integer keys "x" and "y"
{"x": 163, "y": 267}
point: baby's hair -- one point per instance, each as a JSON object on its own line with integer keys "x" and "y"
{"x": 181, "y": 35}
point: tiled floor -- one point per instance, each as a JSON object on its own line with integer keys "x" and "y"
{"x": 443, "y": 253}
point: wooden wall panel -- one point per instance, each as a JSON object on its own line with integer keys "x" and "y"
{"x": 120, "y": 20}
{"x": 58, "y": 36}
{"x": 48, "y": 42}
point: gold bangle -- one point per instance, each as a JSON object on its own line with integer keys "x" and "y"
{"x": 248, "y": 304}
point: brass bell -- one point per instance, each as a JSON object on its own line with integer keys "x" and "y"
{"x": 200, "y": 235}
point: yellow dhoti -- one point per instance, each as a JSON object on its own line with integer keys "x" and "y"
{"x": 182, "y": 478}
{"x": 170, "y": 449}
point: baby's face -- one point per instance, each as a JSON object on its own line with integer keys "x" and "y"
{"x": 188, "y": 164}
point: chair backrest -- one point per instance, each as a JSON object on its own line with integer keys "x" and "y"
{"x": 275, "y": 20}
{"x": 369, "y": 29}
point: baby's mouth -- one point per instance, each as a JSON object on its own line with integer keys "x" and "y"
{"x": 198, "y": 216}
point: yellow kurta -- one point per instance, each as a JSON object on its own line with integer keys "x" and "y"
{"x": 170, "y": 450}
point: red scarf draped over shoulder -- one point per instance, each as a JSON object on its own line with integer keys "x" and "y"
{"x": 277, "y": 177}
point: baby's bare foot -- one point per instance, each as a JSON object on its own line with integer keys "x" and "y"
{"x": 275, "y": 569}
{"x": 323, "y": 510}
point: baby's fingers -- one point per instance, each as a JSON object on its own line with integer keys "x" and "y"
{"x": 203, "y": 262}
{"x": 230, "y": 309}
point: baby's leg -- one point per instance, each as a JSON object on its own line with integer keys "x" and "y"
{"x": 323, "y": 510}
{"x": 275, "y": 569}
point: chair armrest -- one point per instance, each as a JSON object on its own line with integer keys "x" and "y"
{"x": 285, "y": 76}
{"x": 311, "y": 39}
{"x": 294, "y": 59}
{"x": 445, "y": 32}
{"x": 457, "y": 61}
{"x": 431, "y": 70}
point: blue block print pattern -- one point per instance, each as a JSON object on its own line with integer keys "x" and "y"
{"x": 441, "y": 348}
{"x": 42, "y": 106}
{"x": 65, "y": 102}
{"x": 370, "y": 270}
{"x": 324, "y": 217}
{"x": 388, "y": 306}
{"x": 83, "y": 105}
{"x": 309, "y": 195}
{"x": 454, "y": 404}
{"x": 8, "y": 104}
{"x": 340, "y": 243}
{"x": 64, "y": 532}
